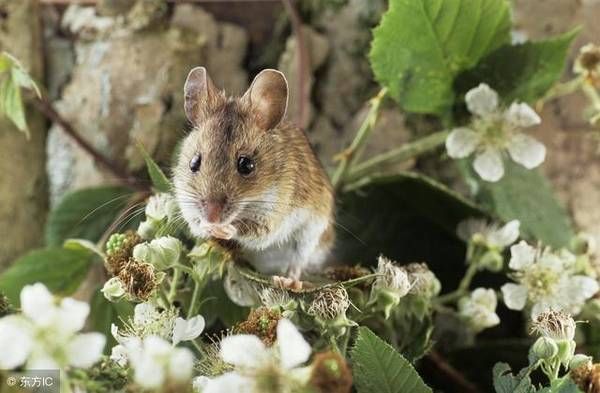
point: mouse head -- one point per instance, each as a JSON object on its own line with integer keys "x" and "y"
{"x": 227, "y": 167}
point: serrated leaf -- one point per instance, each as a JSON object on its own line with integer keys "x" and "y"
{"x": 85, "y": 214}
{"x": 61, "y": 270}
{"x": 378, "y": 368}
{"x": 104, "y": 313}
{"x": 159, "y": 180}
{"x": 526, "y": 195}
{"x": 82, "y": 244}
{"x": 420, "y": 46}
{"x": 506, "y": 382}
{"x": 521, "y": 72}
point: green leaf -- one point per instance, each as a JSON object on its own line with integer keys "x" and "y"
{"x": 86, "y": 214}
{"x": 82, "y": 244}
{"x": 562, "y": 385}
{"x": 378, "y": 368}
{"x": 521, "y": 72}
{"x": 217, "y": 305}
{"x": 61, "y": 270}
{"x": 159, "y": 180}
{"x": 526, "y": 195}
{"x": 407, "y": 217}
{"x": 104, "y": 313}
{"x": 420, "y": 46}
{"x": 506, "y": 382}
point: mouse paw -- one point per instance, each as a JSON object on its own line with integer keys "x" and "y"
{"x": 224, "y": 232}
{"x": 288, "y": 283}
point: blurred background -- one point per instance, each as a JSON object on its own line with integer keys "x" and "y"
{"x": 113, "y": 71}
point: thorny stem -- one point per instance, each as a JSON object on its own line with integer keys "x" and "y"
{"x": 403, "y": 153}
{"x": 46, "y": 108}
{"x": 348, "y": 156}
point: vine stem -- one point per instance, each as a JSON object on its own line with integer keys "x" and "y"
{"x": 197, "y": 287}
{"x": 402, "y": 153}
{"x": 348, "y": 156}
{"x": 174, "y": 283}
{"x": 46, "y": 108}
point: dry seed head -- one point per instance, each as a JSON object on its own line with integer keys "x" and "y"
{"x": 330, "y": 303}
{"x": 139, "y": 279}
{"x": 261, "y": 322}
{"x": 557, "y": 325}
{"x": 392, "y": 277}
{"x": 330, "y": 373}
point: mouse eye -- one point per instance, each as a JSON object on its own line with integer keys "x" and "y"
{"x": 245, "y": 165}
{"x": 195, "y": 163}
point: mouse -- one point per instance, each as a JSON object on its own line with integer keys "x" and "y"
{"x": 247, "y": 175}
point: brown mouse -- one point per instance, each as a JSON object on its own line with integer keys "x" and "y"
{"x": 247, "y": 175}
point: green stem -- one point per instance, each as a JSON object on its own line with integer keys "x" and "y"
{"x": 561, "y": 89}
{"x": 400, "y": 154}
{"x": 463, "y": 286}
{"x": 592, "y": 94}
{"x": 349, "y": 155}
{"x": 174, "y": 282}
{"x": 193, "y": 303}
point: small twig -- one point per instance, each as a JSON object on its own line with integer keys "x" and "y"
{"x": 303, "y": 62}
{"x": 452, "y": 373}
{"x": 46, "y": 108}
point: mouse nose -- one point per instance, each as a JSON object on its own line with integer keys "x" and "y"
{"x": 214, "y": 209}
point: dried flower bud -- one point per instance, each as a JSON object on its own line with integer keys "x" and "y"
{"x": 588, "y": 61}
{"x": 330, "y": 373}
{"x": 261, "y": 322}
{"x": 424, "y": 282}
{"x": 330, "y": 303}
{"x": 391, "y": 277}
{"x": 5, "y": 307}
{"x": 554, "y": 324}
{"x": 278, "y": 299}
{"x": 587, "y": 377}
{"x": 545, "y": 348}
{"x": 139, "y": 279}
{"x": 113, "y": 289}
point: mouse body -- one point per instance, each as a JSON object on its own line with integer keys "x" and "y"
{"x": 245, "y": 174}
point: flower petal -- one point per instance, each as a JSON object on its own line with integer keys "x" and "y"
{"x": 144, "y": 313}
{"x": 243, "y": 350}
{"x": 582, "y": 288}
{"x": 521, "y": 255}
{"x": 522, "y": 115}
{"x": 37, "y": 303}
{"x": 85, "y": 349}
{"x": 15, "y": 341}
{"x": 229, "y": 383}
{"x": 187, "y": 330}
{"x": 149, "y": 373}
{"x": 482, "y": 100}
{"x": 181, "y": 365}
{"x": 526, "y": 151}
{"x": 489, "y": 165}
{"x": 461, "y": 142}
{"x": 506, "y": 235}
{"x": 515, "y": 296}
{"x": 485, "y": 297}
{"x": 71, "y": 315}
{"x": 118, "y": 354}
{"x": 293, "y": 349}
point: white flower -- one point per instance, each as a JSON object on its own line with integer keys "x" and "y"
{"x": 185, "y": 330}
{"x": 149, "y": 321}
{"x": 494, "y": 131}
{"x": 494, "y": 236}
{"x": 163, "y": 252}
{"x": 113, "y": 289}
{"x": 118, "y": 355}
{"x": 46, "y": 334}
{"x": 253, "y": 360}
{"x": 156, "y": 362}
{"x": 545, "y": 281}
{"x": 479, "y": 309}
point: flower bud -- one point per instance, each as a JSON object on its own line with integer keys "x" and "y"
{"x": 391, "y": 278}
{"x": 161, "y": 206}
{"x": 113, "y": 289}
{"x": 545, "y": 348}
{"x": 580, "y": 360}
{"x": 566, "y": 351}
{"x": 424, "y": 282}
{"x": 492, "y": 261}
{"x": 147, "y": 229}
{"x": 555, "y": 324}
{"x": 163, "y": 252}
{"x": 115, "y": 243}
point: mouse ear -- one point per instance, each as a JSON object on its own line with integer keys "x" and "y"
{"x": 198, "y": 92}
{"x": 268, "y": 97}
